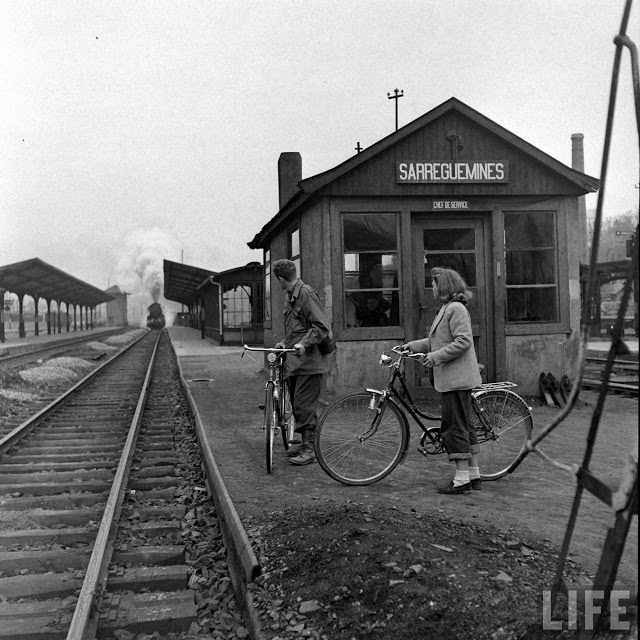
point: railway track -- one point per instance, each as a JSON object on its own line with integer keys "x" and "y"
{"x": 624, "y": 375}
{"x": 105, "y": 523}
{"x": 92, "y": 351}
{"x": 47, "y": 349}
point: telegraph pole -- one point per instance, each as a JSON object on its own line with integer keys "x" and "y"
{"x": 398, "y": 93}
{"x": 358, "y": 148}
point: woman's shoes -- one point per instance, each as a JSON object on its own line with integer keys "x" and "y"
{"x": 475, "y": 484}
{"x": 451, "y": 489}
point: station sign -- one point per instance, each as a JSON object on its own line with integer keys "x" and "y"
{"x": 452, "y": 172}
{"x": 448, "y": 205}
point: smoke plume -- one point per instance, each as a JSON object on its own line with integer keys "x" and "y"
{"x": 140, "y": 271}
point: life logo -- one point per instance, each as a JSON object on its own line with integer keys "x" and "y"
{"x": 585, "y": 607}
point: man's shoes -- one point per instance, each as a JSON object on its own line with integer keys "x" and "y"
{"x": 306, "y": 455}
{"x": 476, "y": 484}
{"x": 450, "y": 489}
{"x": 295, "y": 450}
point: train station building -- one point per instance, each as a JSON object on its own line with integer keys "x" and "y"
{"x": 74, "y": 301}
{"x": 226, "y": 306}
{"x": 454, "y": 189}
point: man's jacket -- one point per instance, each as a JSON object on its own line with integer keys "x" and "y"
{"x": 305, "y": 323}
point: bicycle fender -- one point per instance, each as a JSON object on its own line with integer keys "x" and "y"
{"x": 403, "y": 454}
{"x": 377, "y": 392}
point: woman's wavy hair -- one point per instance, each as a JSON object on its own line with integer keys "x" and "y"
{"x": 451, "y": 285}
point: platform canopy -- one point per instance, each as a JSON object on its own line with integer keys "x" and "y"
{"x": 38, "y": 279}
{"x": 181, "y": 282}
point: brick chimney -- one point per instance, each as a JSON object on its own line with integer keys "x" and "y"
{"x": 577, "y": 163}
{"x": 289, "y": 174}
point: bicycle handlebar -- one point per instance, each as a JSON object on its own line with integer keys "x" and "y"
{"x": 270, "y": 349}
{"x": 405, "y": 354}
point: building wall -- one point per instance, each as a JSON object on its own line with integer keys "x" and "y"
{"x": 117, "y": 311}
{"x": 529, "y": 356}
{"x": 520, "y": 352}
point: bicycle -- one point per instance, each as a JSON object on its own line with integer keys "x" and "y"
{"x": 362, "y": 437}
{"x": 278, "y": 415}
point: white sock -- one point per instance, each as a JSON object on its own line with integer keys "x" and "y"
{"x": 474, "y": 473}
{"x": 461, "y": 477}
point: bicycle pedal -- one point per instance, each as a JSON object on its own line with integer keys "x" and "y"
{"x": 423, "y": 451}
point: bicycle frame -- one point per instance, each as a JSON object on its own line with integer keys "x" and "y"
{"x": 390, "y": 393}
{"x": 276, "y": 381}
{"x": 403, "y": 396}
{"x": 363, "y": 436}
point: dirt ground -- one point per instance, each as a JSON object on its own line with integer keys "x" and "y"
{"x": 325, "y": 547}
{"x": 351, "y": 571}
{"x": 397, "y": 560}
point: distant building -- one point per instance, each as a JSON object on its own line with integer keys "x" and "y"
{"x": 232, "y": 305}
{"x": 116, "y": 308}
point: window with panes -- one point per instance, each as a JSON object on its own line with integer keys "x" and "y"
{"x": 370, "y": 269}
{"x": 531, "y": 266}
{"x": 237, "y": 308}
{"x": 293, "y": 249}
{"x": 267, "y": 288}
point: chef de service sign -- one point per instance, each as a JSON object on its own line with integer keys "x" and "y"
{"x": 452, "y": 172}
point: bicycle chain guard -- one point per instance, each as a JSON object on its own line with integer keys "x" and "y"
{"x": 428, "y": 448}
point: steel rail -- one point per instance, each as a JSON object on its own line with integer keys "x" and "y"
{"x": 22, "y": 429}
{"x": 96, "y": 573}
{"x": 52, "y": 345}
{"x": 244, "y": 566}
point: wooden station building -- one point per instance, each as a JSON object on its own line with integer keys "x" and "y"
{"x": 455, "y": 189}
{"x": 226, "y": 306}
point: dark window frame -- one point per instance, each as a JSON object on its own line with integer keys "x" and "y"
{"x": 530, "y": 288}
{"x": 295, "y": 257}
{"x": 370, "y": 332}
{"x": 266, "y": 297}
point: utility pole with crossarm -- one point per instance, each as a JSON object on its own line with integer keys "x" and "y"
{"x": 397, "y": 94}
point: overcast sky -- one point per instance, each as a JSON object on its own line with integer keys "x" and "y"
{"x": 132, "y": 126}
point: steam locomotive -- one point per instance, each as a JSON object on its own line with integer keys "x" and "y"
{"x": 155, "y": 317}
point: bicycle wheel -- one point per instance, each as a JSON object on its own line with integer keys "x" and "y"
{"x": 287, "y": 422}
{"x": 503, "y": 424}
{"x": 357, "y": 445}
{"x": 270, "y": 423}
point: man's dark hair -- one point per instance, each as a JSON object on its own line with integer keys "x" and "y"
{"x": 284, "y": 269}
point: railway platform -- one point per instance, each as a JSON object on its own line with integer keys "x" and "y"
{"x": 227, "y": 389}
{"x": 15, "y": 345}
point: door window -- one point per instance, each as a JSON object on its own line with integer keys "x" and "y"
{"x": 452, "y": 248}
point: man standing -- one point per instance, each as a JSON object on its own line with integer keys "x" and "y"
{"x": 305, "y": 325}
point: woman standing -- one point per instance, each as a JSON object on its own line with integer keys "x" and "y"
{"x": 450, "y": 353}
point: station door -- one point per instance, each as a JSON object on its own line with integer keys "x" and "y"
{"x": 461, "y": 244}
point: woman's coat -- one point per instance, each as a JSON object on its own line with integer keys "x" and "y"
{"x": 450, "y": 342}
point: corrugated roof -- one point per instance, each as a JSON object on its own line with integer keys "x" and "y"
{"x": 36, "y": 278}
{"x": 181, "y": 281}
